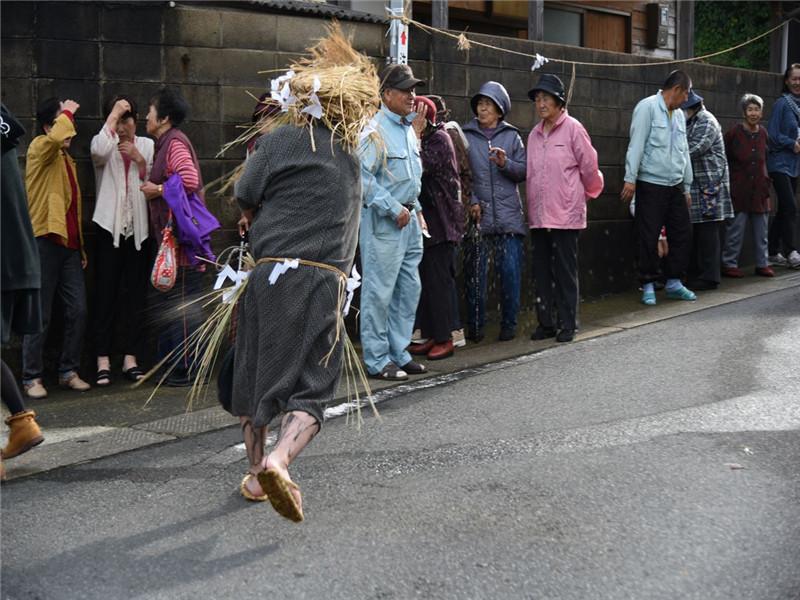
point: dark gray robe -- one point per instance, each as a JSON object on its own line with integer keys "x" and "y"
{"x": 308, "y": 206}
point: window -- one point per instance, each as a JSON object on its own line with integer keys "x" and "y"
{"x": 563, "y": 26}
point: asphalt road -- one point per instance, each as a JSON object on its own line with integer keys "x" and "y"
{"x": 660, "y": 462}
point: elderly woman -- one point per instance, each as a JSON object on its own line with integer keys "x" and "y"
{"x": 441, "y": 206}
{"x": 783, "y": 164}
{"x": 175, "y": 156}
{"x": 497, "y": 160}
{"x": 746, "y": 149}
{"x": 562, "y": 175}
{"x": 122, "y": 162}
{"x": 711, "y": 196}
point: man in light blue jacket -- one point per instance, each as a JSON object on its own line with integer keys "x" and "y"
{"x": 658, "y": 169}
{"x": 392, "y": 226}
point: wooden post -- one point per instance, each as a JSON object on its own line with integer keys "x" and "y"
{"x": 536, "y": 20}
{"x": 439, "y": 14}
{"x": 685, "y": 29}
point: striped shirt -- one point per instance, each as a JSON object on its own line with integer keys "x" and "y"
{"x": 179, "y": 160}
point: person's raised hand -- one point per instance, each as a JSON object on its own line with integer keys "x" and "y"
{"x": 497, "y": 156}
{"x": 70, "y": 106}
{"x": 120, "y": 108}
{"x": 130, "y": 150}
{"x": 419, "y": 123}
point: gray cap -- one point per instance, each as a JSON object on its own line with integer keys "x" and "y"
{"x": 399, "y": 77}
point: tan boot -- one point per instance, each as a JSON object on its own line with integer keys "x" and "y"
{"x": 24, "y": 434}
{"x": 74, "y": 382}
{"x": 35, "y": 390}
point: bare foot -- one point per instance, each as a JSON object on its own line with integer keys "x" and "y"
{"x": 272, "y": 462}
{"x": 253, "y": 486}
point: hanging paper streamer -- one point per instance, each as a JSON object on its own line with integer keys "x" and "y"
{"x": 281, "y": 268}
{"x": 237, "y": 277}
{"x": 353, "y": 283}
{"x": 539, "y": 62}
{"x": 314, "y": 108}
{"x": 280, "y": 91}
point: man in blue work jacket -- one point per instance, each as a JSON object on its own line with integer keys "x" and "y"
{"x": 392, "y": 227}
{"x": 658, "y": 170}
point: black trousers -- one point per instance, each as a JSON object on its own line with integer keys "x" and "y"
{"x": 555, "y": 272}
{"x": 706, "y": 254}
{"x": 657, "y": 206}
{"x": 9, "y": 390}
{"x": 438, "y": 277}
{"x": 122, "y": 276}
{"x": 781, "y": 231}
{"x": 62, "y": 275}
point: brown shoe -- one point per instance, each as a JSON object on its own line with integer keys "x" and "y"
{"x": 734, "y": 272}
{"x": 421, "y": 349}
{"x": 35, "y": 390}
{"x": 74, "y": 382}
{"x": 24, "y": 434}
{"x": 440, "y": 351}
{"x": 765, "y": 271}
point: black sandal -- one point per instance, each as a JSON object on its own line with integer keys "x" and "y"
{"x": 103, "y": 378}
{"x": 133, "y": 374}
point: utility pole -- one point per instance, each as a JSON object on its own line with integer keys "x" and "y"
{"x": 398, "y": 34}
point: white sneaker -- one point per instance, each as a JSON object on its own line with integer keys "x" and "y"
{"x": 459, "y": 341}
{"x": 416, "y": 337}
{"x": 778, "y": 260}
{"x": 794, "y": 260}
{"x": 35, "y": 390}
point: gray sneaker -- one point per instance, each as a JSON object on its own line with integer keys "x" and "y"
{"x": 794, "y": 259}
{"x": 778, "y": 260}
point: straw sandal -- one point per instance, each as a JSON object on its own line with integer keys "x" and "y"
{"x": 279, "y": 489}
{"x": 247, "y": 494}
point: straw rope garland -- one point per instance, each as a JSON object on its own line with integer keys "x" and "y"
{"x": 464, "y": 43}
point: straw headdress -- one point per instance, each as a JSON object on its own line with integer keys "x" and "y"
{"x": 333, "y": 84}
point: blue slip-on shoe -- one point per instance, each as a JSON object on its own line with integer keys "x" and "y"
{"x": 649, "y": 298}
{"x": 682, "y": 293}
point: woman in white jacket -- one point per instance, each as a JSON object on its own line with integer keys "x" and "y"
{"x": 122, "y": 162}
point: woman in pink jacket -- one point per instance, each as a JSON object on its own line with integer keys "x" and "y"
{"x": 562, "y": 174}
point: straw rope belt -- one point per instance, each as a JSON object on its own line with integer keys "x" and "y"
{"x": 307, "y": 263}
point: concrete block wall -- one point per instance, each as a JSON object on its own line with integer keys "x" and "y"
{"x": 213, "y": 53}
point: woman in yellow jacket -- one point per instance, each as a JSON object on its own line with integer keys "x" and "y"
{"x": 54, "y": 202}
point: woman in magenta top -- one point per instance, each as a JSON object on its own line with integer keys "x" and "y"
{"x": 562, "y": 174}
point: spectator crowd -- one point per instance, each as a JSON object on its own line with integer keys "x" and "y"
{"x": 437, "y": 197}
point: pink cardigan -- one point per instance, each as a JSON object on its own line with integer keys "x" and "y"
{"x": 562, "y": 175}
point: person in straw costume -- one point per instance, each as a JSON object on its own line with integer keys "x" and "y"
{"x": 300, "y": 193}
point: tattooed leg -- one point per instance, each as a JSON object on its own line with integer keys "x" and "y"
{"x": 254, "y": 444}
{"x": 298, "y": 428}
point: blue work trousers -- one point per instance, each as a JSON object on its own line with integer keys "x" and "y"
{"x": 508, "y": 256}
{"x": 390, "y": 288}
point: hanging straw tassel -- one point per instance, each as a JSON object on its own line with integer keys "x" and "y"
{"x": 463, "y": 42}
{"x": 571, "y": 84}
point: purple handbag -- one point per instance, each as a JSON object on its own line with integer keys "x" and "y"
{"x": 193, "y": 221}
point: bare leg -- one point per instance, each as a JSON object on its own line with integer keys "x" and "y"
{"x": 298, "y": 428}
{"x": 254, "y": 444}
